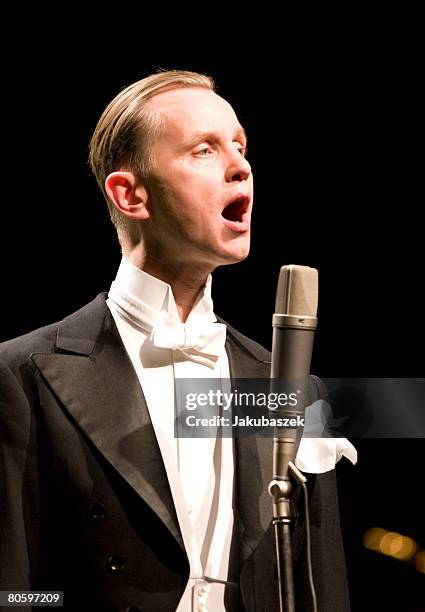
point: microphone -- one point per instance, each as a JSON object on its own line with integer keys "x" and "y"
{"x": 294, "y": 325}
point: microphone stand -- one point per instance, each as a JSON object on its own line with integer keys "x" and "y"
{"x": 280, "y": 489}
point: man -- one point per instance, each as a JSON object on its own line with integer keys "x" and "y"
{"x": 99, "y": 499}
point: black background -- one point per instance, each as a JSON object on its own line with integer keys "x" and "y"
{"x": 336, "y": 150}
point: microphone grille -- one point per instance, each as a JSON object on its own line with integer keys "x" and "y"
{"x": 297, "y": 291}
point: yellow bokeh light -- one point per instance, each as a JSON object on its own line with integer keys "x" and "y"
{"x": 391, "y": 543}
{"x": 395, "y": 545}
{"x": 420, "y": 561}
{"x": 373, "y": 537}
{"x": 407, "y": 549}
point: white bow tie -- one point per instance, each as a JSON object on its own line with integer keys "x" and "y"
{"x": 199, "y": 339}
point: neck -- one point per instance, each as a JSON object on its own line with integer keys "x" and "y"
{"x": 186, "y": 280}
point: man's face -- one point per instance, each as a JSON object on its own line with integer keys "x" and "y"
{"x": 201, "y": 187}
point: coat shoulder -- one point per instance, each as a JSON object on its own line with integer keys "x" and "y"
{"x": 18, "y": 350}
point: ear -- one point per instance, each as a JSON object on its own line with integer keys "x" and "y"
{"x": 128, "y": 195}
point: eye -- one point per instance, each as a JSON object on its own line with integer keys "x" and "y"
{"x": 242, "y": 150}
{"x": 203, "y": 152}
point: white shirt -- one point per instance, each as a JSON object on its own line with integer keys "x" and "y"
{"x": 200, "y": 471}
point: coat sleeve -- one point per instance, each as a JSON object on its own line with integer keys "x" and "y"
{"x": 17, "y": 490}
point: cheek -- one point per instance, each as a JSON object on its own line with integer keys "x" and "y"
{"x": 201, "y": 181}
{"x": 197, "y": 201}
{"x": 190, "y": 198}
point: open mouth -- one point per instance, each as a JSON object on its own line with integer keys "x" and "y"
{"x": 235, "y": 214}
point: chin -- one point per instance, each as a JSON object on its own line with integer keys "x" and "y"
{"x": 236, "y": 254}
{"x": 224, "y": 253}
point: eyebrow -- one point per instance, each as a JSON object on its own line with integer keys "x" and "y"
{"x": 208, "y": 135}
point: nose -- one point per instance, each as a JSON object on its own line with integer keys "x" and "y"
{"x": 239, "y": 168}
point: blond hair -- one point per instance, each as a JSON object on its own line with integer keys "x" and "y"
{"x": 126, "y": 131}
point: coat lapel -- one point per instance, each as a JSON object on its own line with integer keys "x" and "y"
{"x": 92, "y": 375}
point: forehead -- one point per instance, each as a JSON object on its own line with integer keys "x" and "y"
{"x": 190, "y": 110}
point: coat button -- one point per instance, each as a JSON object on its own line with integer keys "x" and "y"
{"x": 115, "y": 564}
{"x": 97, "y": 512}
